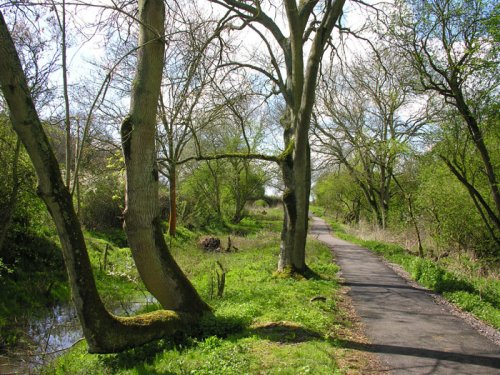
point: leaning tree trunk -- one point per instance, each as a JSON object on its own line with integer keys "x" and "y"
{"x": 478, "y": 139}
{"x": 104, "y": 332}
{"x": 159, "y": 271}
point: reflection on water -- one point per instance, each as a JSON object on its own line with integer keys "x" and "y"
{"x": 52, "y": 334}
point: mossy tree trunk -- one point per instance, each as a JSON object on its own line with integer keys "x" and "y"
{"x": 104, "y": 332}
{"x": 307, "y": 23}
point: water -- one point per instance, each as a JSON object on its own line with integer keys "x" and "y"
{"x": 51, "y": 335}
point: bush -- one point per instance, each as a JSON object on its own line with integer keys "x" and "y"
{"x": 102, "y": 204}
{"x": 261, "y": 203}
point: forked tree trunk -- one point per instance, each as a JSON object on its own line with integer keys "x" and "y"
{"x": 159, "y": 271}
{"x": 295, "y": 161}
{"x": 104, "y": 332}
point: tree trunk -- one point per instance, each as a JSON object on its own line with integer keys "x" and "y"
{"x": 159, "y": 271}
{"x": 104, "y": 332}
{"x": 172, "y": 217}
{"x": 477, "y": 137}
{"x": 477, "y": 198}
{"x": 415, "y": 225}
{"x": 287, "y": 257}
{"x": 296, "y": 170}
{"x": 67, "y": 119}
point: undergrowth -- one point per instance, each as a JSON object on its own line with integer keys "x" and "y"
{"x": 261, "y": 324}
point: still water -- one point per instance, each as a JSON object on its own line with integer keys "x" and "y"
{"x": 51, "y": 335}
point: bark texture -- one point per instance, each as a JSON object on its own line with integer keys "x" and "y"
{"x": 172, "y": 218}
{"x": 159, "y": 271}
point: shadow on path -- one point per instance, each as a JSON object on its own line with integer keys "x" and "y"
{"x": 482, "y": 360}
{"x": 408, "y": 330}
{"x": 383, "y": 286}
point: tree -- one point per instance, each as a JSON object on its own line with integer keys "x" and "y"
{"x": 61, "y": 21}
{"x": 364, "y": 121}
{"x": 38, "y": 62}
{"x": 219, "y": 189}
{"x": 455, "y": 147}
{"x": 103, "y": 331}
{"x": 337, "y": 192}
{"x": 310, "y": 24}
{"x": 454, "y": 50}
{"x": 186, "y": 79}
{"x": 159, "y": 271}
{"x": 447, "y": 213}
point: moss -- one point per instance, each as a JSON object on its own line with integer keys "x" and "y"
{"x": 149, "y": 318}
{"x": 287, "y": 153}
{"x": 289, "y": 273}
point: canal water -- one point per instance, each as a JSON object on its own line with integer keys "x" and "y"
{"x": 53, "y": 334}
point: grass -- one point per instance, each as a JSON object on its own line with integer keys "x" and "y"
{"x": 263, "y": 324}
{"x": 477, "y": 295}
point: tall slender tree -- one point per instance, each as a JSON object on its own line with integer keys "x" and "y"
{"x": 309, "y": 25}
{"x": 159, "y": 271}
{"x": 453, "y": 47}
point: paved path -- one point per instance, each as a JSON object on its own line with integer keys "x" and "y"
{"x": 409, "y": 332}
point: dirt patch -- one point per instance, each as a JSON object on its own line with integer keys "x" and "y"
{"x": 210, "y": 244}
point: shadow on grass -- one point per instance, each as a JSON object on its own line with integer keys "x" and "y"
{"x": 308, "y": 274}
{"x": 208, "y": 326}
{"x": 139, "y": 357}
{"x": 283, "y": 332}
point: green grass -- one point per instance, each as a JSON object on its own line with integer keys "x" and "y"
{"x": 477, "y": 295}
{"x": 264, "y": 323}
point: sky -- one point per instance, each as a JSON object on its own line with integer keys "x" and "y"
{"x": 88, "y": 44}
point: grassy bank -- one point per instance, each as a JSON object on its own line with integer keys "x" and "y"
{"x": 263, "y": 323}
{"x": 36, "y": 281}
{"x": 477, "y": 295}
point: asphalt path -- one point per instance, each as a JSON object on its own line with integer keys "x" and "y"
{"x": 408, "y": 330}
